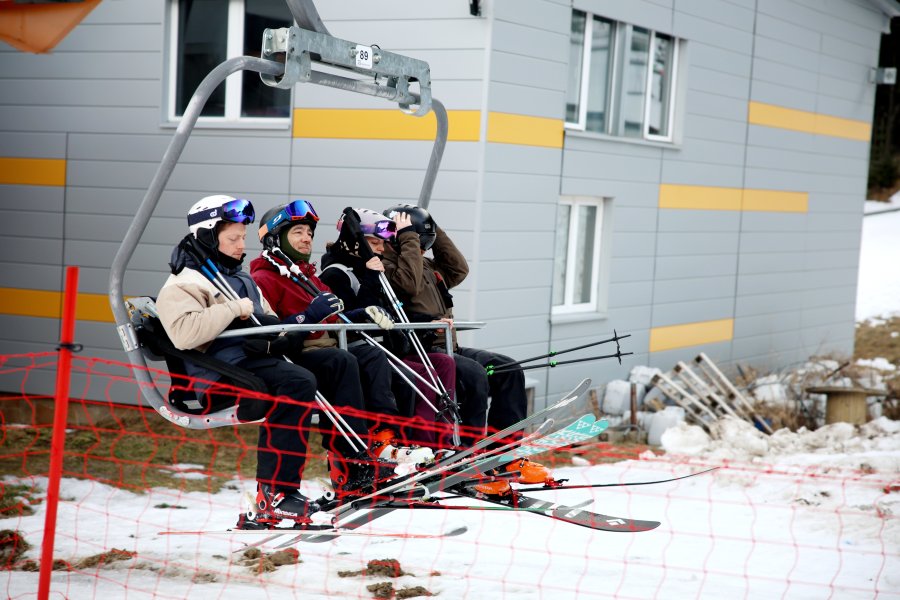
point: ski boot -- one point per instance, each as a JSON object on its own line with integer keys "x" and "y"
{"x": 385, "y": 446}
{"x": 529, "y": 471}
{"x": 358, "y": 474}
{"x": 520, "y": 471}
{"x": 270, "y": 507}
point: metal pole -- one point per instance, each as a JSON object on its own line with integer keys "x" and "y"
{"x": 57, "y": 443}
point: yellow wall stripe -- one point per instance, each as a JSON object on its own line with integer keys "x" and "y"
{"x": 699, "y": 197}
{"x": 370, "y": 124}
{"x": 691, "y": 334}
{"x": 33, "y": 171}
{"x": 702, "y": 197}
{"x": 48, "y": 304}
{"x": 770, "y": 115}
{"x": 525, "y": 130}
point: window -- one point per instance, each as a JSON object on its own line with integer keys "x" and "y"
{"x": 576, "y": 272}
{"x": 207, "y": 32}
{"x": 621, "y": 79}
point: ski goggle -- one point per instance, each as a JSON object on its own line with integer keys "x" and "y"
{"x": 385, "y": 230}
{"x": 298, "y": 210}
{"x": 233, "y": 211}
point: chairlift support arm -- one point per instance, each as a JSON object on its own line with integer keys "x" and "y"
{"x": 301, "y": 48}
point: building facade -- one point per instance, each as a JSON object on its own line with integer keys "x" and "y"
{"x": 689, "y": 172}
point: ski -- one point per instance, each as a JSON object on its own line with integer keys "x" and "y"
{"x": 549, "y": 488}
{"x": 330, "y": 530}
{"x": 446, "y": 472}
{"x": 517, "y": 501}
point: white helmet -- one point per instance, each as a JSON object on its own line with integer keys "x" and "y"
{"x": 212, "y": 209}
{"x": 373, "y": 224}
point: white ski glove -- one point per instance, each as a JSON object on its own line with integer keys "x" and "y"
{"x": 380, "y": 317}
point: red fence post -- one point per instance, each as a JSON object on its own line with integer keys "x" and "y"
{"x": 60, "y": 414}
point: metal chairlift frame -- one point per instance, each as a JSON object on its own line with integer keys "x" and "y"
{"x": 302, "y": 45}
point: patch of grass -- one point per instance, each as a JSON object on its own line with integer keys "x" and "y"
{"x": 16, "y": 500}
{"x": 136, "y": 453}
{"x": 12, "y": 547}
{"x": 882, "y": 340}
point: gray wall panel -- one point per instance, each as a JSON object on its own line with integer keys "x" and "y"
{"x": 553, "y": 44}
{"x": 27, "y": 223}
{"x": 512, "y": 274}
{"x": 526, "y": 99}
{"x": 712, "y": 128}
{"x": 754, "y": 304}
{"x": 91, "y": 93}
{"x": 719, "y": 59}
{"x": 377, "y": 154}
{"x": 630, "y": 293}
{"x": 517, "y": 187}
{"x": 630, "y": 269}
{"x": 124, "y": 37}
{"x": 696, "y": 243}
{"x": 779, "y": 29}
{"x": 687, "y": 173}
{"x": 701, "y": 287}
{"x": 781, "y": 95}
{"x": 710, "y": 104}
{"x": 681, "y": 267}
{"x": 35, "y": 197}
{"x": 695, "y": 28}
{"x": 94, "y": 65}
{"x": 30, "y": 250}
{"x": 509, "y": 158}
{"x": 31, "y": 145}
{"x": 693, "y": 311}
{"x": 772, "y": 262}
{"x": 718, "y": 12}
{"x": 537, "y": 14}
{"x": 675, "y": 220}
{"x": 716, "y": 82}
{"x": 631, "y": 244}
{"x": 46, "y": 277}
{"x": 761, "y": 221}
{"x": 637, "y": 12}
{"x": 79, "y": 118}
{"x": 610, "y": 166}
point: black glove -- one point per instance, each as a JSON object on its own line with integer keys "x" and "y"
{"x": 322, "y": 306}
{"x": 274, "y": 345}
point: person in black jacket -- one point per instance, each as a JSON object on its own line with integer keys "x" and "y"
{"x": 355, "y": 280}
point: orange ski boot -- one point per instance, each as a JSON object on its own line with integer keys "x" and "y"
{"x": 529, "y": 471}
{"x": 500, "y": 487}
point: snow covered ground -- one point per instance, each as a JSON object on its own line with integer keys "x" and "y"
{"x": 797, "y": 515}
{"x": 878, "y": 293}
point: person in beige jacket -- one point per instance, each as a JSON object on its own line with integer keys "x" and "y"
{"x": 194, "y": 312}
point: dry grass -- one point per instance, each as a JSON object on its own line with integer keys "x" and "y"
{"x": 137, "y": 453}
{"x": 882, "y": 340}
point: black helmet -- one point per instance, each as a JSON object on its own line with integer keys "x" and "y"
{"x": 421, "y": 221}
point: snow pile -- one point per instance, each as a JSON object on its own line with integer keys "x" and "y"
{"x": 735, "y": 440}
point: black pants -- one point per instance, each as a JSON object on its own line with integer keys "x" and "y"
{"x": 337, "y": 374}
{"x": 283, "y": 438}
{"x": 375, "y": 376}
{"x": 509, "y": 404}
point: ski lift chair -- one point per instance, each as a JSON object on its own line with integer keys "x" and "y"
{"x": 215, "y": 404}
{"x": 392, "y": 76}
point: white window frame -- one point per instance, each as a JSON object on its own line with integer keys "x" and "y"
{"x": 234, "y": 46}
{"x": 621, "y": 34}
{"x": 568, "y": 307}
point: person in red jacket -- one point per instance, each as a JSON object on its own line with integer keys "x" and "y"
{"x": 290, "y": 228}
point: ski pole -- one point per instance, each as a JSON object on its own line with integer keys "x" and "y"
{"x": 290, "y": 270}
{"x": 554, "y": 363}
{"x": 448, "y": 405}
{"x": 211, "y": 271}
{"x": 491, "y": 369}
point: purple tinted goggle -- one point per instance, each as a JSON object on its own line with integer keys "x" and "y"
{"x": 385, "y": 230}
